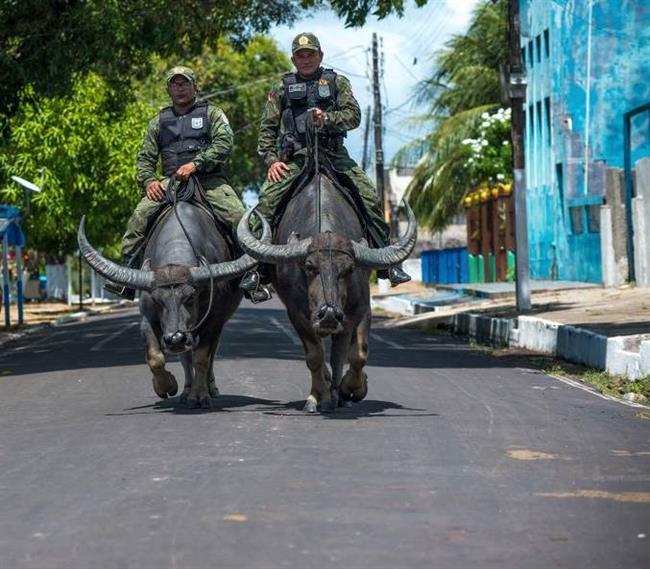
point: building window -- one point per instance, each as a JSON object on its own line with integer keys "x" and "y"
{"x": 538, "y": 42}
{"x": 531, "y": 56}
{"x": 577, "y": 219}
{"x": 593, "y": 218}
{"x": 547, "y": 44}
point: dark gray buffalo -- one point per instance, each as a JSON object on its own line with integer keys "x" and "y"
{"x": 322, "y": 278}
{"x": 184, "y": 303}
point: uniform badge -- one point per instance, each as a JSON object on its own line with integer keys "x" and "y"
{"x": 324, "y": 90}
{"x": 303, "y": 40}
{"x": 197, "y": 122}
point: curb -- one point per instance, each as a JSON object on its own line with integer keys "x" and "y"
{"x": 627, "y": 356}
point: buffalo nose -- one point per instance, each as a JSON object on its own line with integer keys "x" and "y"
{"x": 330, "y": 313}
{"x": 175, "y": 338}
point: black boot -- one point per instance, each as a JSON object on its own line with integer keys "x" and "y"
{"x": 253, "y": 288}
{"x": 395, "y": 274}
{"x": 118, "y": 289}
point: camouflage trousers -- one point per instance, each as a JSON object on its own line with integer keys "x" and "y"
{"x": 271, "y": 193}
{"x": 226, "y": 203}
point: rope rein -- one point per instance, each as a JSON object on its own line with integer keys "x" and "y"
{"x": 200, "y": 258}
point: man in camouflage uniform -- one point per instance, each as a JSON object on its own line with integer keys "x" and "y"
{"x": 328, "y": 96}
{"x": 191, "y": 138}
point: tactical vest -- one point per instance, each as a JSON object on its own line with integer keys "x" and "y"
{"x": 181, "y": 138}
{"x": 303, "y": 94}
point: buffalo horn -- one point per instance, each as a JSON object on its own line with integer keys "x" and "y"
{"x": 391, "y": 254}
{"x": 133, "y": 278}
{"x": 222, "y": 271}
{"x": 266, "y": 252}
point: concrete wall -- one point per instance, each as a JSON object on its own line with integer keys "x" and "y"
{"x": 641, "y": 222}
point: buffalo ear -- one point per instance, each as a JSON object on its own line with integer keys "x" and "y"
{"x": 146, "y": 266}
{"x": 293, "y": 238}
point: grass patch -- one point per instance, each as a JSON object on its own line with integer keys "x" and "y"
{"x": 604, "y": 382}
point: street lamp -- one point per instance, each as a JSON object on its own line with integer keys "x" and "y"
{"x": 28, "y": 187}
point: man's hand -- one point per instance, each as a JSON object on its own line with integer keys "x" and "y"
{"x": 277, "y": 171}
{"x": 155, "y": 191}
{"x": 318, "y": 116}
{"x": 185, "y": 171}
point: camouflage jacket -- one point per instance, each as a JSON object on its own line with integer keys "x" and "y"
{"x": 146, "y": 162}
{"x": 347, "y": 116}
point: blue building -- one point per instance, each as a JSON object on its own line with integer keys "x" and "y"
{"x": 587, "y": 63}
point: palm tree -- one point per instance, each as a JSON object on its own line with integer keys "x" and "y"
{"x": 464, "y": 85}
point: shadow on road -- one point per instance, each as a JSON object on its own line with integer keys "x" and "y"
{"x": 252, "y": 334}
{"x": 244, "y": 404}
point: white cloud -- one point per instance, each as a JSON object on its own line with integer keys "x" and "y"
{"x": 408, "y": 44}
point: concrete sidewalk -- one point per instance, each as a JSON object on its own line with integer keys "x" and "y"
{"x": 605, "y": 329}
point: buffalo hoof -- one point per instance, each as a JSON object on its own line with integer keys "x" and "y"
{"x": 310, "y": 405}
{"x": 165, "y": 385}
{"x": 327, "y": 406}
{"x": 358, "y": 393}
{"x": 205, "y": 402}
{"x": 213, "y": 389}
{"x": 184, "y": 396}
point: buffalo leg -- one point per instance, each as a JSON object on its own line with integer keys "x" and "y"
{"x": 188, "y": 368}
{"x": 164, "y": 383}
{"x": 320, "y": 395}
{"x": 354, "y": 386}
{"x": 198, "y": 395}
{"x": 340, "y": 349}
{"x": 212, "y": 382}
{"x": 315, "y": 360}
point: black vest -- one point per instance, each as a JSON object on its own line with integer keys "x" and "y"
{"x": 302, "y": 94}
{"x": 181, "y": 138}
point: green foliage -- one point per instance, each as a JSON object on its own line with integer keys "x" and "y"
{"x": 489, "y": 160}
{"x": 47, "y": 44}
{"x": 87, "y": 151}
{"x": 356, "y": 12}
{"x": 463, "y": 86}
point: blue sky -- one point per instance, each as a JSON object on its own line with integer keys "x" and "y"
{"x": 408, "y": 43}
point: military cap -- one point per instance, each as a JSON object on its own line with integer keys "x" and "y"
{"x": 180, "y": 70}
{"x": 305, "y": 41}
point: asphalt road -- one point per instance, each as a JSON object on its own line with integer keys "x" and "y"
{"x": 453, "y": 461}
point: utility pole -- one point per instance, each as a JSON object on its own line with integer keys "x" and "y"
{"x": 517, "y": 97}
{"x": 366, "y": 132}
{"x": 379, "y": 150}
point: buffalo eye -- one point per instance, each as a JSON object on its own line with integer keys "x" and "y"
{"x": 310, "y": 267}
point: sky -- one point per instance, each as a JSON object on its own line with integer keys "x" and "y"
{"x": 408, "y": 43}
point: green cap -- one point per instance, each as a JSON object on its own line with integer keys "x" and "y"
{"x": 305, "y": 41}
{"x": 180, "y": 70}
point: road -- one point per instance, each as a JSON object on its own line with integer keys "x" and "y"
{"x": 454, "y": 460}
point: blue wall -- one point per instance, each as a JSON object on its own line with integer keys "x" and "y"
{"x": 445, "y": 266}
{"x": 563, "y": 202}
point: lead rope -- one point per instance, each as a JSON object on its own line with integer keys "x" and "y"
{"x": 200, "y": 258}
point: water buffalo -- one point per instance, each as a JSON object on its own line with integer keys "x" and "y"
{"x": 322, "y": 277}
{"x": 187, "y": 296}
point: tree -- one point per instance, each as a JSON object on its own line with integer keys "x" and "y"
{"x": 463, "y": 86}
{"x": 46, "y": 44}
{"x": 87, "y": 151}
